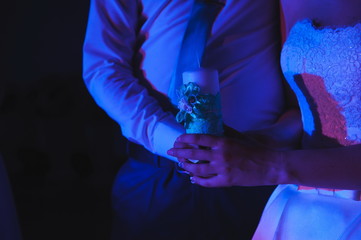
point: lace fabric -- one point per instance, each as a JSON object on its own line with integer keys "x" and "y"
{"x": 323, "y": 67}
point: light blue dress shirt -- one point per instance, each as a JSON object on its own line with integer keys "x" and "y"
{"x": 124, "y": 37}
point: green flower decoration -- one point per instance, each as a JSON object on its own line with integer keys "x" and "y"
{"x": 200, "y": 113}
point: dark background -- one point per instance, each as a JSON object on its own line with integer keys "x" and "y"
{"x": 61, "y": 151}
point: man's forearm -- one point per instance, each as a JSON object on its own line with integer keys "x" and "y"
{"x": 284, "y": 134}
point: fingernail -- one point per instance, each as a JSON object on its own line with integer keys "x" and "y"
{"x": 180, "y": 164}
{"x": 192, "y": 180}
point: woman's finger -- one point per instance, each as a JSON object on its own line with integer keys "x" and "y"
{"x": 197, "y": 154}
{"x": 184, "y": 145}
{"x": 200, "y": 139}
{"x": 198, "y": 169}
{"x": 215, "y": 181}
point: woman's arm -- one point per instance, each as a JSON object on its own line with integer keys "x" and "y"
{"x": 330, "y": 168}
{"x": 232, "y": 163}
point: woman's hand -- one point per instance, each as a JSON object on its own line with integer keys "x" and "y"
{"x": 227, "y": 162}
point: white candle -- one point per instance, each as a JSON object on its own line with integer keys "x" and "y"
{"x": 207, "y": 80}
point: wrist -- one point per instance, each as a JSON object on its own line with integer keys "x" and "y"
{"x": 281, "y": 173}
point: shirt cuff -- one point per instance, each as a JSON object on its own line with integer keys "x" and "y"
{"x": 164, "y": 136}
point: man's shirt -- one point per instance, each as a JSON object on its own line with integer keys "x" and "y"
{"x": 131, "y": 48}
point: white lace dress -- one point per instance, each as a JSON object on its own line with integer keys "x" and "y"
{"x": 323, "y": 67}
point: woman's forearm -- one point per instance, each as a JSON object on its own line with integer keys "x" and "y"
{"x": 338, "y": 168}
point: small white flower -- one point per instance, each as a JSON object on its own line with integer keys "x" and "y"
{"x": 184, "y": 106}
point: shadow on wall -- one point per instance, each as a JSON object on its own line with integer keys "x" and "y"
{"x": 61, "y": 153}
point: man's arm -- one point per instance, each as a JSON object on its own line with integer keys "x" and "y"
{"x": 286, "y": 132}
{"x": 109, "y": 49}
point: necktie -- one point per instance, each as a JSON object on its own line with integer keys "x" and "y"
{"x": 199, "y": 27}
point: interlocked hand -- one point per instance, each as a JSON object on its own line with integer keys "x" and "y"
{"x": 226, "y": 162}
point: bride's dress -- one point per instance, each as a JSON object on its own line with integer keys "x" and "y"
{"x": 323, "y": 68}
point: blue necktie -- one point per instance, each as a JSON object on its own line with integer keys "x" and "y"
{"x": 199, "y": 27}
